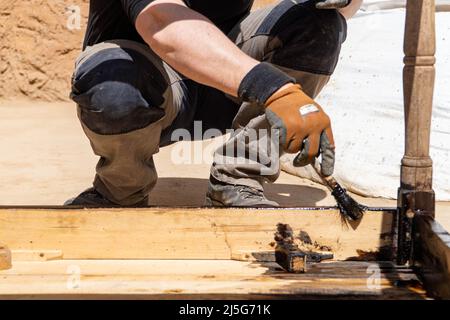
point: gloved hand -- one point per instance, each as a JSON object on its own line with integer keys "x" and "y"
{"x": 332, "y": 4}
{"x": 303, "y": 126}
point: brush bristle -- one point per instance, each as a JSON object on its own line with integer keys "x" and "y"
{"x": 347, "y": 205}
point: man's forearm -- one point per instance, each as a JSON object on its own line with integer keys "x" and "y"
{"x": 351, "y": 9}
{"x": 193, "y": 45}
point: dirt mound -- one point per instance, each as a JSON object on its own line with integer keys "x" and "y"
{"x": 39, "y": 41}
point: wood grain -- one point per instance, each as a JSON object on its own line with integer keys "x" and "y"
{"x": 5, "y": 257}
{"x": 432, "y": 256}
{"x": 418, "y": 79}
{"x": 416, "y": 193}
{"x": 206, "y": 279}
{"x": 189, "y": 233}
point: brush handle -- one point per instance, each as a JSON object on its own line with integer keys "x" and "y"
{"x": 329, "y": 181}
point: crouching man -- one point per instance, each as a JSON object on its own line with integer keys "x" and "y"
{"x": 150, "y": 67}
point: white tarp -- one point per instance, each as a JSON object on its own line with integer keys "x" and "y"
{"x": 365, "y": 101}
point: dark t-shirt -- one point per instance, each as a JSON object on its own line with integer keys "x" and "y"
{"x": 114, "y": 19}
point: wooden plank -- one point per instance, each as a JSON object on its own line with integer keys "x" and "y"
{"x": 432, "y": 256}
{"x": 5, "y": 257}
{"x": 209, "y": 279}
{"x": 36, "y": 255}
{"x": 185, "y": 233}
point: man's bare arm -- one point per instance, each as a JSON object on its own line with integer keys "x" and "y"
{"x": 193, "y": 45}
{"x": 351, "y": 9}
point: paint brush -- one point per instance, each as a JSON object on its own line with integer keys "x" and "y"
{"x": 348, "y": 206}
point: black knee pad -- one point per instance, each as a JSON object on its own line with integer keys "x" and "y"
{"x": 307, "y": 39}
{"x": 118, "y": 90}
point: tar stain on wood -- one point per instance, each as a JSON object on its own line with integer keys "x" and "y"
{"x": 294, "y": 253}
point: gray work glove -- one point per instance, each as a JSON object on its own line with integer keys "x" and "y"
{"x": 332, "y": 4}
{"x": 326, "y": 150}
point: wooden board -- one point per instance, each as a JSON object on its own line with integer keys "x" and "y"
{"x": 432, "y": 256}
{"x": 208, "y": 279}
{"x": 185, "y": 233}
{"x": 36, "y": 255}
{"x": 5, "y": 257}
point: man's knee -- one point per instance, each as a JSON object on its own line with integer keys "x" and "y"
{"x": 304, "y": 38}
{"x": 118, "y": 91}
{"x": 310, "y": 39}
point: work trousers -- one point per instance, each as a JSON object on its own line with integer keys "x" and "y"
{"x": 130, "y": 102}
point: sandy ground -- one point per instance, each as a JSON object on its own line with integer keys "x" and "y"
{"x": 45, "y": 159}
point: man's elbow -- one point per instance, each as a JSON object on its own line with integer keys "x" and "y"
{"x": 153, "y": 21}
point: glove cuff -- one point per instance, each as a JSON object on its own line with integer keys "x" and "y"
{"x": 261, "y": 82}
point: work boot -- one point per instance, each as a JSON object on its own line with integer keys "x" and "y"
{"x": 91, "y": 198}
{"x": 227, "y": 195}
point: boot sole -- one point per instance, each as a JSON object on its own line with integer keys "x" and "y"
{"x": 214, "y": 203}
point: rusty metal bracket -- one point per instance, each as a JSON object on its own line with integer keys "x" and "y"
{"x": 411, "y": 203}
{"x": 297, "y": 261}
{"x": 290, "y": 256}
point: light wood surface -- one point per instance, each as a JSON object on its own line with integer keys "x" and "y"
{"x": 204, "y": 279}
{"x": 36, "y": 255}
{"x": 189, "y": 233}
{"x": 5, "y": 257}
